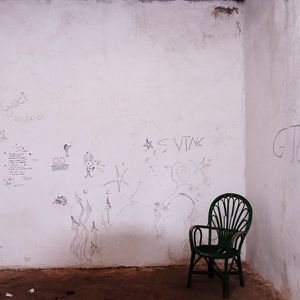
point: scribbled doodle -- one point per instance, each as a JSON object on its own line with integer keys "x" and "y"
{"x": 59, "y": 164}
{"x": 180, "y": 173}
{"x": 28, "y": 118}
{"x": 60, "y": 200}
{"x": 119, "y": 179}
{"x": 187, "y": 177}
{"x": 85, "y": 242}
{"x": 148, "y": 145}
{"x": 8, "y": 181}
{"x": 9, "y": 107}
{"x": 2, "y": 136}
{"x": 66, "y": 149}
{"x": 99, "y": 165}
{"x": 201, "y": 167}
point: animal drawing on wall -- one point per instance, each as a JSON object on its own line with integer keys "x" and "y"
{"x": 85, "y": 241}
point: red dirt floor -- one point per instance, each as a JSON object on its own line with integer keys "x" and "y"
{"x": 155, "y": 283}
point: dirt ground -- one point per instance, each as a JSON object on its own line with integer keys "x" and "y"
{"x": 127, "y": 283}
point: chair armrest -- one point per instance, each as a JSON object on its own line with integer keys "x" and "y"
{"x": 195, "y": 236}
{"x": 237, "y": 240}
{"x": 233, "y": 239}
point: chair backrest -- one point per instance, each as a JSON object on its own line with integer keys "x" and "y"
{"x": 230, "y": 211}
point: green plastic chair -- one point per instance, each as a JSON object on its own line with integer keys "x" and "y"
{"x": 229, "y": 220}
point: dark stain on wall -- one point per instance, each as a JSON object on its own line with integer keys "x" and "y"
{"x": 222, "y": 10}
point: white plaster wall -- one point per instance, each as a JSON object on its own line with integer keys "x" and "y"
{"x": 272, "y": 48}
{"x": 103, "y": 77}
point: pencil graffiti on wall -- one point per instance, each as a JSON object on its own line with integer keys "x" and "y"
{"x": 286, "y": 143}
{"x": 119, "y": 179}
{"x": 11, "y": 109}
{"x": 85, "y": 242}
{"x": 19, "y": 163}
{"x": 188, "y": 178}
{"x": 59, "y": 163}
{"x": 60, "y": 200}
{"x": 10, "y": 106}
{"x": 184, "y": 143}
{"x": 106, "y": 218}
{"x": 91, "y": 165}
{"x": 67, "y": 149}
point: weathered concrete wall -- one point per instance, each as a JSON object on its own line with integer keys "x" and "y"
{"x": 120, "y": 122}
{"x": 272, "y": 47}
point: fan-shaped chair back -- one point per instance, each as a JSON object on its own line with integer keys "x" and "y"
{"x": 230, "y": 211}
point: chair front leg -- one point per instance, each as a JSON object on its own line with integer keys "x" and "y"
{"x": 226, "y": 279}
{"x": 190, "y": 273}
{"x": 241, "y": 276}
{"x": 210, "y": 268}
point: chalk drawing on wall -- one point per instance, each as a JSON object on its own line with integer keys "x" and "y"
{"x": 119, "y": 179}
{"x": 19, "y": 163}
{"x": 2, "y": 136}
{"x": 66, "y": 149}
{"x": 59, "y": 163}
{"x": 85, "y": 242}
{"x": 60, "y": 200}
{"x": 148, "y": 145}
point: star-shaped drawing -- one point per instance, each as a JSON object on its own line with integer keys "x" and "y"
{"x": 148, "y": 144}
{"x": 118, "y": 179}
{"x": 2, "y": 135}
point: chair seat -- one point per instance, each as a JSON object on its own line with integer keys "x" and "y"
{"x": 215, "y": 251}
